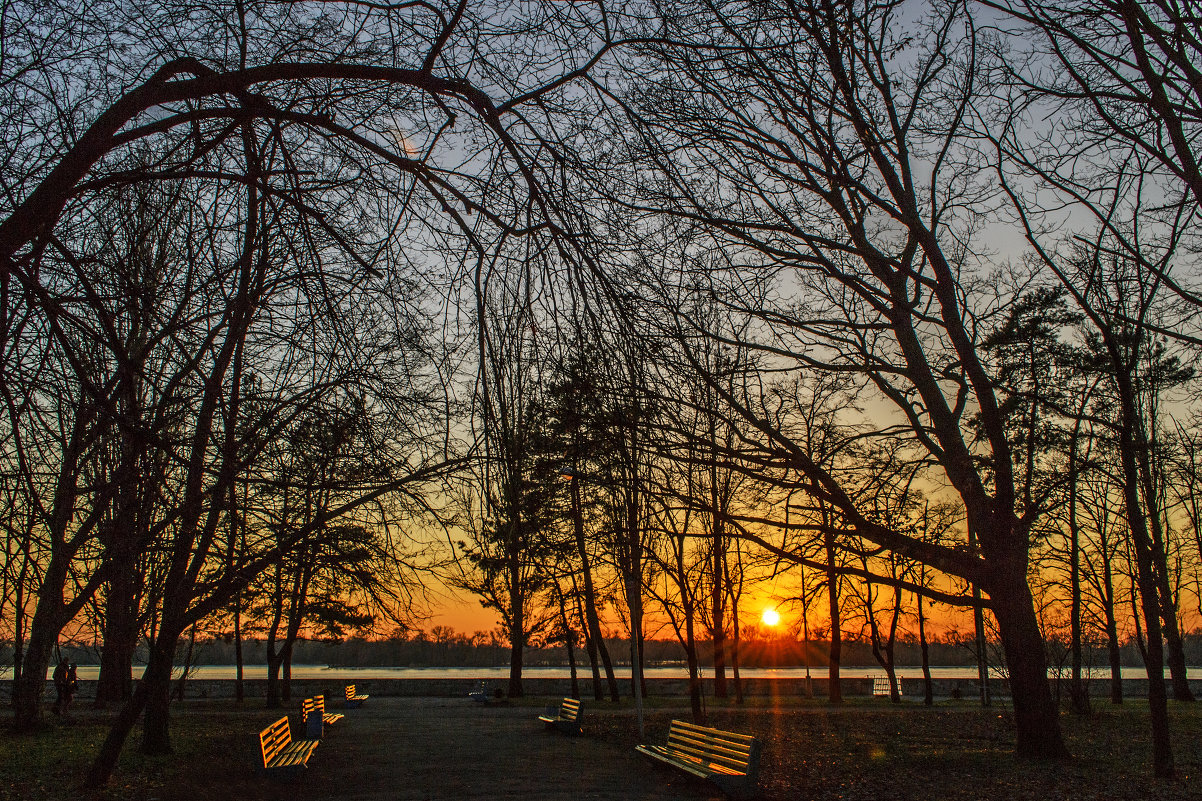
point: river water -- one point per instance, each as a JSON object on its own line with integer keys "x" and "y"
{"x": 218, "y": 672}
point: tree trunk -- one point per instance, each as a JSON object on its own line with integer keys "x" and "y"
{"x": 110, "y": 750}
{"x": 1162, "y": 751}
{"x": 1149, "y": 592}
{"x": 834, "y": 686}
{"x": 1078, "y": 688}
{"x": 182, "y": 684}
{"x": 883, "y": 648}
{"x": 1175, "y": 648}
{"x": 239, "y": 683}
{"x": 1115, "y": 654}
{"x": 517, "y": 633}
{"x": 592, "y": 619}
{"x": 734, "y": 651}
{"x": 718, "y": 616}
{"x": 569, "y": 638}
{"x": 286, "y": 672}
{"x": 590, "y": 647}
{"x": 982, "y": 645}
{"x": 297, "y": 607}
{"x": 928, "y": 686}
{"x": 690, "y": 654}
{"x": 154, "y": 684}
{"x": 29, "y": 688}
{"x": 156, "y": 735}
{"x": 19, "y": 618}
{"x": 572, "y": 666}
{"x": 610, "y": 678}
{"x": 1037, "y": 722}
{"x": 115, "y": 682}
{"x": 634, "y": 598}
{"x": 275, "y": 660}
{"x": 1174, "y": 645}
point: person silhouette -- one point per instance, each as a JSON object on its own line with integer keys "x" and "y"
{"x": 60, "y": 685}
{"x": 72, "y": 685}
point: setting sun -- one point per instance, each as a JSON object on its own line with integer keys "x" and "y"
{"x": 770, "y": 617}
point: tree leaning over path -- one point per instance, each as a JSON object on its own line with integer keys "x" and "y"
{"x": 212, "y": 94}
{"x": 822, "y": 146}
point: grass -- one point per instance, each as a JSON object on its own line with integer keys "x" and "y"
{"x": 863, "y": 749}
{"x": 870, "y": 749}
{"x": 52, "y": 763}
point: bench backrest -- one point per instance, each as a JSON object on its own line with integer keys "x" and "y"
{"x": 313, "y": 712}
{"x": 570, "y": 709}
{"x": 739, "y": 752}
{"x": 880, "y": 686}
{"x": 274, "y": 739}
{"x": 350, "y": 691}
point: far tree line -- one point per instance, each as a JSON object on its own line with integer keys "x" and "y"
{"x": 444, "y": 647}
{"x": 609, "y": 311}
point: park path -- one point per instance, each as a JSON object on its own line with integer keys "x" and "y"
{"x": 413, "y": 749}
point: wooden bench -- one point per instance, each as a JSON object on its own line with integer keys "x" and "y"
{"x": 284, "y": 757}
{"x": 316, "y": 718}
{"x": 354, "y": 701}
{"x": 568, "y": 719}
{"x": 880, "y": 686}
{"x": 480, "y": 694}
{"x": 329, "y": 718}
{"x": 729, "y": 760}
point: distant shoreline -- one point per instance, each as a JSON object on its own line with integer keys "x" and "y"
{"x": 544, "y": 672}
{"x": 775, "y": 689}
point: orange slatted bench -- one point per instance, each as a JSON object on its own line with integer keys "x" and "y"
{"x": 727, "y": 759}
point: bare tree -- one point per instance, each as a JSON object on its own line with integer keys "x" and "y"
{"x": 310, "y": 114}
{"x": 576, "y": 404}
{"x": 1126, "y": 70}
{"x": 823, "y": 148}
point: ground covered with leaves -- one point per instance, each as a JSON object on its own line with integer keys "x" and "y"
{"x": 871, "y": 749}
{"x": 398, "y": 748}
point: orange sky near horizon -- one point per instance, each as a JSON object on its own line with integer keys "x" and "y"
{"x": 465, "y": 615}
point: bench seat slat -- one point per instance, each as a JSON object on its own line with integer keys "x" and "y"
{"x": 734, "y": 750}
{"x": 711, "y": 748}
{"x": 688, "y": 766}
{"x": 711, "y": 752}
{"x": 702, "y": 764}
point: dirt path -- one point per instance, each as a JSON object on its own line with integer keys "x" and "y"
{"x": 438, "y": 748}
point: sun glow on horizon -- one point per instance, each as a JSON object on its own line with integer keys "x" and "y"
{"x": 770, "y": 617}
